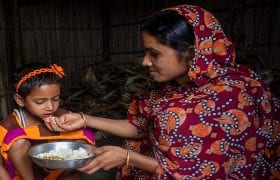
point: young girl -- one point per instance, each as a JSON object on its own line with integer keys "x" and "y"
{"x": 37, "y": 94}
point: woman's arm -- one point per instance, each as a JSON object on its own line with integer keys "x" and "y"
{"x": 120, "y": 128}
{"x": 145, "y": 163}
{"x": 108, "y": 157}
{"x": 74, "y": 121}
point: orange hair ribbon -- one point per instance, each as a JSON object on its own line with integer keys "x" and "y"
{"x": 56, "y": 69}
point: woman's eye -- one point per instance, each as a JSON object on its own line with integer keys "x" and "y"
{"x": 56, "y": 98}
{"x": 154, "y": 54}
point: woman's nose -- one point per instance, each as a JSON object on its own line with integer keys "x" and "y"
{"x": 146, "y": 61}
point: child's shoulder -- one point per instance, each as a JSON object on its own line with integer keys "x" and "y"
{"x": 9, "y": 122}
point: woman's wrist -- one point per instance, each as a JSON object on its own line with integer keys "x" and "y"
{"x": 84, "y": 119}
{"x": 135, "y": 159}
{"x": 127, "y": 158}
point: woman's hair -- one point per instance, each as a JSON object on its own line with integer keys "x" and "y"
{"x": 37, "y": 75}
{"x": 171, "y": 29}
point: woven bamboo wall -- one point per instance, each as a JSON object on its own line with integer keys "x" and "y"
{"x": 63, "y": 32}
{"x": 3, "y": 69}
{"x": 253, "y": 25}
{"x": 79, "y": 33}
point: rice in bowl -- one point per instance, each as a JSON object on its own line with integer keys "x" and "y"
{"x": 64, "y": 154}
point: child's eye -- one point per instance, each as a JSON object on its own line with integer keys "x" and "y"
{"x": 39, "y": 102}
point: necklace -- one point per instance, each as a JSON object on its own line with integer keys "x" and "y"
{"x": 20, "y": 114}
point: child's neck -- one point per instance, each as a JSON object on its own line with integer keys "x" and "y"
{"x": 30, "y": 119}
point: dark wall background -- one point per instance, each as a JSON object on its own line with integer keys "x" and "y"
{"x": 76, "y": 33}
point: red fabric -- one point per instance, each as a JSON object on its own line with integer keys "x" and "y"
{"x": 218, "y": 130}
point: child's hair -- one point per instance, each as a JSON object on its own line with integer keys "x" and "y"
{"x": 32, "y": 75}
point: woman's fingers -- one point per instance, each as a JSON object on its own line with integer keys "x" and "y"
{"x": 93, "y": 166}
{"x": 52, "y": 123}
{"x": 66, "y": 122}
{"x": 106, "y": 157}
{"x": 70, "y": 121}
{"x": 97, "y": 163}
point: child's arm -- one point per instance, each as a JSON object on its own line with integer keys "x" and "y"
{"x": 3, "y": 172}
{"x": 20, "y": 160}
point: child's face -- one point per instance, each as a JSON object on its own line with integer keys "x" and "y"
{"x": 43, "y": 101}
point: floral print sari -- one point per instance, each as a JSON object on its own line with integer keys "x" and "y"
{"x": 227, "y": 127}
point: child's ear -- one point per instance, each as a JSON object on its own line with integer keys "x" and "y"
{"x": 19, "y": 100}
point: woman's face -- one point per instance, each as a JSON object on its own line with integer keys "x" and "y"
{"x": 43, "y": 101}
{"x": 164, "y": 63}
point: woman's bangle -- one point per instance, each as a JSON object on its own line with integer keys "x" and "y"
{"x": 84, "y": 119}
{"x": 127, "y": 159}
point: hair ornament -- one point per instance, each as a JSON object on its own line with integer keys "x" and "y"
{"x": 56, "y": 69}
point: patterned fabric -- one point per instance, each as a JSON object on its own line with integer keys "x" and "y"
{"x": 11, "y": 130}
{"x": 225, "y": 128}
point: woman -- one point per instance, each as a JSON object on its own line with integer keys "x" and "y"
{"x": 208, "y": 118}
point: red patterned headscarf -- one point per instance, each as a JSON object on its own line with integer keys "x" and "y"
{"x": 214, "y": 52}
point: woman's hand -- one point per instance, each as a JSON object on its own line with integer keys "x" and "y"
{"x": 74, "y": 121}
{"x": 106, "y": 157}
{"x": 51, "y": 123}
{"x": 66, "y": 122}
